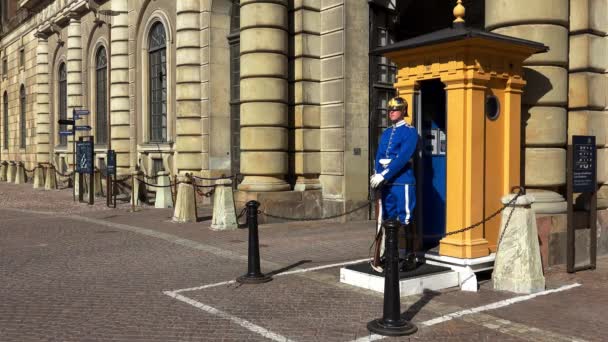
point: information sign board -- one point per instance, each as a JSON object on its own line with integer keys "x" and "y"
{"x": 584, "y": 163}
{"x": 111, "y": 168}
{"x": 84, "y": 157}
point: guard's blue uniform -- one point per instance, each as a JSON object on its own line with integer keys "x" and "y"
{"x": 393, "y": 162}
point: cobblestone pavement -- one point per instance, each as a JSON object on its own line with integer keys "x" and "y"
{"x": 73, "y": 272}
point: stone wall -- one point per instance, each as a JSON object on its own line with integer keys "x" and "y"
{"x": 552, "y": 231}
{"x": 21, "y": 71}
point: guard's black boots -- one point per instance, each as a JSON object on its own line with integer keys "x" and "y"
{"x": 409, "y": 262}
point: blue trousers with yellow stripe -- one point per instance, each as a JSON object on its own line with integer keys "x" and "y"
{"x": 398, "y": 202}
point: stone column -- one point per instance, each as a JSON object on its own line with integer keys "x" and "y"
{"x": 119, "y": 87}
{"x": 189, "y": 142}
{"x": 74, "y": 69}
{"x": 333, "y": 111}
{"x": 42, "y": 100}
{"x": 264, "y": 95}
{"x": 588, "y": 81}
{"x": 545, "y": 96}
{"x": 305, "y": 83}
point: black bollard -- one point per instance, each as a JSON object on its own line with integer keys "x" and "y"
{"x": 254, "y": 275}
{"x": 391, "y": 323}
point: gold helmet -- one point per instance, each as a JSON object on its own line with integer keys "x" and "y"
{"x": 397, "y": 103}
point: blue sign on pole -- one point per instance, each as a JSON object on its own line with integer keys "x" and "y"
{"x": 80, "y": 112}
{"x": 111, "y": 168}
{"x": 82, "y": 128}
{"x": 65, "y": 133}
{"x": 84, "y": 157}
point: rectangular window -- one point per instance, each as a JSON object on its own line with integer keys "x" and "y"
{"x": 5, "y": 67}
{"x": 22, "y": 58}
{"x": 101, "y": 128}
{"x": 5, "y": 114}
{"x": 22, "y": 119}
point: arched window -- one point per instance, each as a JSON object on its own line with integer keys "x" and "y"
{"x": 5, "y": 112}
{"x": 101, "y": 82}
{"x": 157, "y": 79}
{"x": 63, "y": 101}
{"x": 235, "y": 82}
{"x": 22, "y": 127}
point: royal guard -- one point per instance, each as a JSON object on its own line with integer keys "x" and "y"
{"x": 393, "y": 177}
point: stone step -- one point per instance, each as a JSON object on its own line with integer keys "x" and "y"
{"x": 426, "y": 276}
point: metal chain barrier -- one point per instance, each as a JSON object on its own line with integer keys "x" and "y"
{"x": 462, "y": 230}
{"x": 26, "y": 170}
{"x": 213, "y": 179}
{"x": 68, "y": 175}
{"x": 205, "y": 194}
{"x": 158, "y": 186}
{"x": 486, "y": 219}
{"x": 150, "y": 177}
{"x": 506, "y": 227}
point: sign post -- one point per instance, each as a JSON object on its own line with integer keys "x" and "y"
{"x": 85, "y": 156}
{"x": 70, "y": 122}
{"x": 110, "y": 172}
{"x": 582, "y": 179}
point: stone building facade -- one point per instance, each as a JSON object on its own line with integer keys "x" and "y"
{"x": 284, "y": 93}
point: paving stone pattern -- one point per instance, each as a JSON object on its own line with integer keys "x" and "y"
{"x": 73, "y": 272}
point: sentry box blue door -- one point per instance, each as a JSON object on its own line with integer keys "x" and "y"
{"x": 430, "y": 120}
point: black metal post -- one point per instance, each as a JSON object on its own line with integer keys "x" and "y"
{"x": 254, "y": 275}
{"x": 92, "y": 188}
{"x": 92, "y": 173}
{"x": 114, "y": 189}
{"x": 391, "y": 323}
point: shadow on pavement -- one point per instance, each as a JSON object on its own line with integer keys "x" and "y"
{"x": 287, "y": 268}
{"x": 415, "y": 308}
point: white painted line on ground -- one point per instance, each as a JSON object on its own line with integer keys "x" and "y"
{"x": 370, "y": 338}
{"x": 276, "y": 275}
{"x": 492, "y": 306}
{"x": 323, "y": 267}
{"x": 204, "y": 286}
{"x": 496, "y": 305}
{"x": 243, "y": 323}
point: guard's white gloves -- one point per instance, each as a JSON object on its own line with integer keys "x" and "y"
{"x": 376, "y": 180}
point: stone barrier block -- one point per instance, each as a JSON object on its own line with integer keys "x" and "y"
{"x": 50, "y": 182}
{"x": 3, "y": 167}
{"x": 163, "y": 193}
{"x": 136, "y": 188}
{"x": 20, "y": 177}
{"x": 39, "y": 177}
{"x": 10, "y": 172}
{"x": 185, "y": 210}
{"x": 518, "y": 266}
{"x": 224, "y": 212}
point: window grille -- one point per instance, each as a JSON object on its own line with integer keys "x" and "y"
{"x": 63, "y": 101}
{"x": 101, "y": 82}
{"x": 22, "y": 117}
{"x": 157, "y": 79}
{"x": 5, "y": 112}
